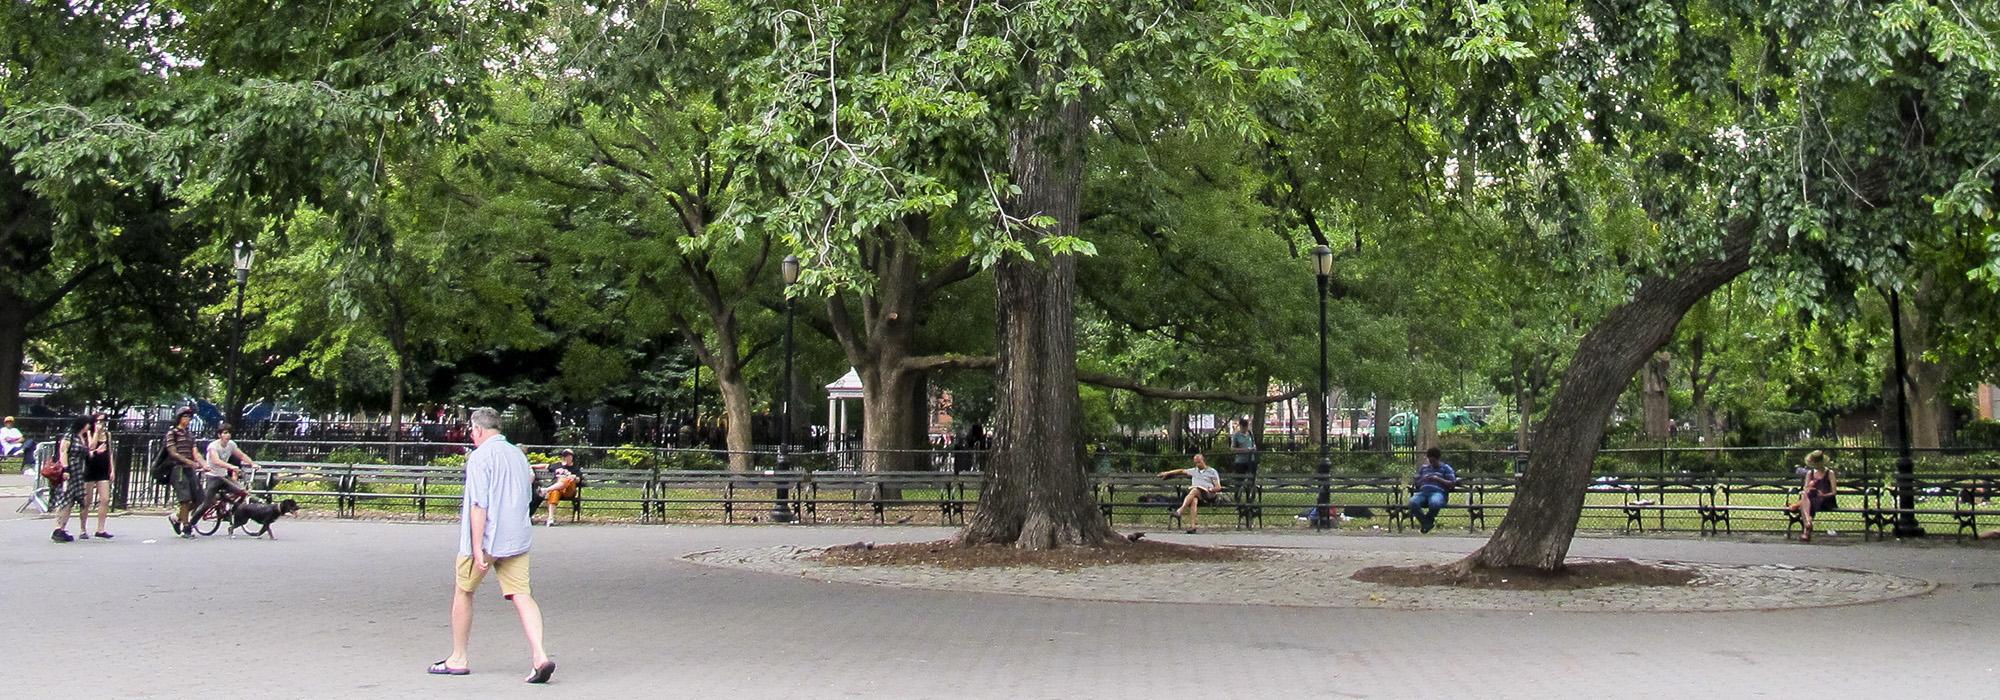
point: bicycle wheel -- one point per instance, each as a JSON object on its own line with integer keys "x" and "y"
{"x": 211, "y": 520}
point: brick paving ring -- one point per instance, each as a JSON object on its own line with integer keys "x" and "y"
{"x": 1321, "y": 578}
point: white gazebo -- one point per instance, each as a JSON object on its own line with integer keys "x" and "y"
{"x": 838, "y": 395}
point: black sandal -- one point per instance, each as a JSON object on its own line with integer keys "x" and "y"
{"x": 440, "y": 669}
{"x": 542, "y": 672}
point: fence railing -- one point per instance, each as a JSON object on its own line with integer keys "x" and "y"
{"x": 1734, "y": 490}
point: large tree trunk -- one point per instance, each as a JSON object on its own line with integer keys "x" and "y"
{"x": 1036, "y": 494}
{"x": 737, "y": 437}
{"x": 398, "y": 377}
{"x": 1427, "y": 425}
{"x": 1382, "y": 424}
{"x": 1524, "y": 402}
{"x": 1656, "y": 407}
{"x": 1316, "y": 418}
{"x": 1929, "y": 407}
{"x": 889, "y": 420}
{"x": 1543, "y": 516}
{"x": 13, "y": 348}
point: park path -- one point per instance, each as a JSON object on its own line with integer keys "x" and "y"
{"x": 356, "y": 609}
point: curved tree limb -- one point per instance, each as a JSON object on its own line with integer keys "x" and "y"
{"x": 1111, "y": 381}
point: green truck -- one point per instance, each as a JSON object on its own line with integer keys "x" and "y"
{"x": 1403, "y": 426}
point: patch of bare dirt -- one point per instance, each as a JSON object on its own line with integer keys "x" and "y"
{"x": 951, "y": 555}
{"x": 1577, "y": 576}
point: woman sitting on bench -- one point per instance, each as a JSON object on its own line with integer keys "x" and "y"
{"x": 1817, "y": 495}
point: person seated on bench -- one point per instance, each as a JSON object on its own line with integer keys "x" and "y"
{"x": 1206, "y": 486}
{"x": 563, "y": 487}
{"x": 1434, "y": 480}
{"x": 1817, "y": 493}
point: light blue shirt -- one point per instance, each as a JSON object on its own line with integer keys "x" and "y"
{"x": 497, "y": 478}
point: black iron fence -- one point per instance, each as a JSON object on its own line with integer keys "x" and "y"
{"x": 1707, "y": 491}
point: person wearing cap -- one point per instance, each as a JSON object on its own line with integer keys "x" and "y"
{"x": 11, "y": 439}
{"x": 180, "y": 446}
{"x": 1816, "y": 495}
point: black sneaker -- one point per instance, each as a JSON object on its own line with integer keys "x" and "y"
{"x": 83, "y": 535}
{"x": 104, "y": 535}
{"x": 174, "y": 523}
{"x": 61, "y": 536}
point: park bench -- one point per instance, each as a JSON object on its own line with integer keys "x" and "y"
{"x": 390, "y": 483}
{"x": 1662, "y": 495}
{"x": 1961, "y": 495}
{"x": 726, "y": 491}
{"x": 269, "y": 476}
{"x": 1380, "y": 493}
{"x": 1479, "y": 493}
{"x": 1152, "y": 494}
{"x": 611, "y": 489}
{"x": 882, "y": 492}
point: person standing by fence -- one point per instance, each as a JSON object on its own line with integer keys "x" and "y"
{"x": 97, "y": 473}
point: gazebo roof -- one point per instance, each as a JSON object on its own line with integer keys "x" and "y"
{"x": 848, "y": 386}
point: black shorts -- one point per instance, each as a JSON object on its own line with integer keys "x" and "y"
{"x": 187, "y": 485}
{"x": 1205, "y": 496}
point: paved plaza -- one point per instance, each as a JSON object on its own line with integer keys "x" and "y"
{"x": 356, "y": 609}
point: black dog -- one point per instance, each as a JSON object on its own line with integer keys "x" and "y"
{"x": 263, "y": 513}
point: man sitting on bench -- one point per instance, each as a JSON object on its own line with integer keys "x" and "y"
{"x": 1434, "y": 480}
{"x": 1206, "y": 486}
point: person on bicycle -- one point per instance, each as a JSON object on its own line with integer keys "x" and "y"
{"x": 220, "y": 464}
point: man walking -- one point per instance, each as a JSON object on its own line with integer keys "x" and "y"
{"x": 494, "y": 527}
{"x": 186, "y": 475}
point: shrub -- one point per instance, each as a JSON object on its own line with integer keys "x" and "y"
{"x": 353, "y": 455}
{"x": 1980, "y": 433}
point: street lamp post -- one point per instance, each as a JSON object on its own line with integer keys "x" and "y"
{"x": 1322, "y": 517}
{"x": 1906, "y": 497}
{"x": 246, "y": 253}
{"x": 781, "y": 511}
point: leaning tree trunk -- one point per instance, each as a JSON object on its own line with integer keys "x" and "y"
{"x": 1035, "y": 494}
{"x": 1542, "y": 518}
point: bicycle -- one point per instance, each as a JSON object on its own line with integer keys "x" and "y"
{"x": 208, "y": 521}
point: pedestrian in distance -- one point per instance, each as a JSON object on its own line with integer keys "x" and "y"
{"x": 495, "y": 524}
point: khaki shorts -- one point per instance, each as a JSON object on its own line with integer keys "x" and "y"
{"x": 513, "y": 573}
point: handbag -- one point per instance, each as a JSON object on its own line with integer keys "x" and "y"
{"x": 53, "y": 471}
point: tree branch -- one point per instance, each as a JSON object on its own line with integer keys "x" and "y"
{"x": 933, "y": 363}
